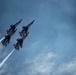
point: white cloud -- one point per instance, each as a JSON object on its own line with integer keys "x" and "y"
{"x": 44, "y": 64}
{"x": 41, "y": 64}
{"x": 42, "y": 68}
{"x": 3, "y": 69}
{"x": 68, "y": 68}
{"x": 10, "y": 74}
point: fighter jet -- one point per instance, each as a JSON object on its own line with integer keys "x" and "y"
{"x": 25, "y": 29}
{"x": 12, "y": 28}
{"x": 6, "y": 40}
{"x": 20, "y": 42}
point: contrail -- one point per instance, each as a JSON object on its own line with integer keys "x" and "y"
{"x": 2, "y": 63}
{"x": 1, "y": 39}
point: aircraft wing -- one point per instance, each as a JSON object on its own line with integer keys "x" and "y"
{"x": 24, "y": 37}
{"x": 22, "y": 33}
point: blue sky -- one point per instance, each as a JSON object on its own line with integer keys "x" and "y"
{"x": 50, "y": 47}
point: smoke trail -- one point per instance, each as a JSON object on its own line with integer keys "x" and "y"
{"x": 1, "y": 39}
{"x": 2, "y": 63}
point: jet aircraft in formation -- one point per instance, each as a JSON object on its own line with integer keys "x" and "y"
{"x": 10, "y": 32}
{"x": 20, "y": 42}
{"x": 12, "y": 28}
{"x": 24, "y": 33}
{"x": 25, "y": 29}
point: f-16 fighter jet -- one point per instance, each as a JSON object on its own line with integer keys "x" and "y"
{"x": 6, "y": 40}
{"x": 20, "y": 42}
{"x": 12, "y": 28}
{"x": 25, "y": 29}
